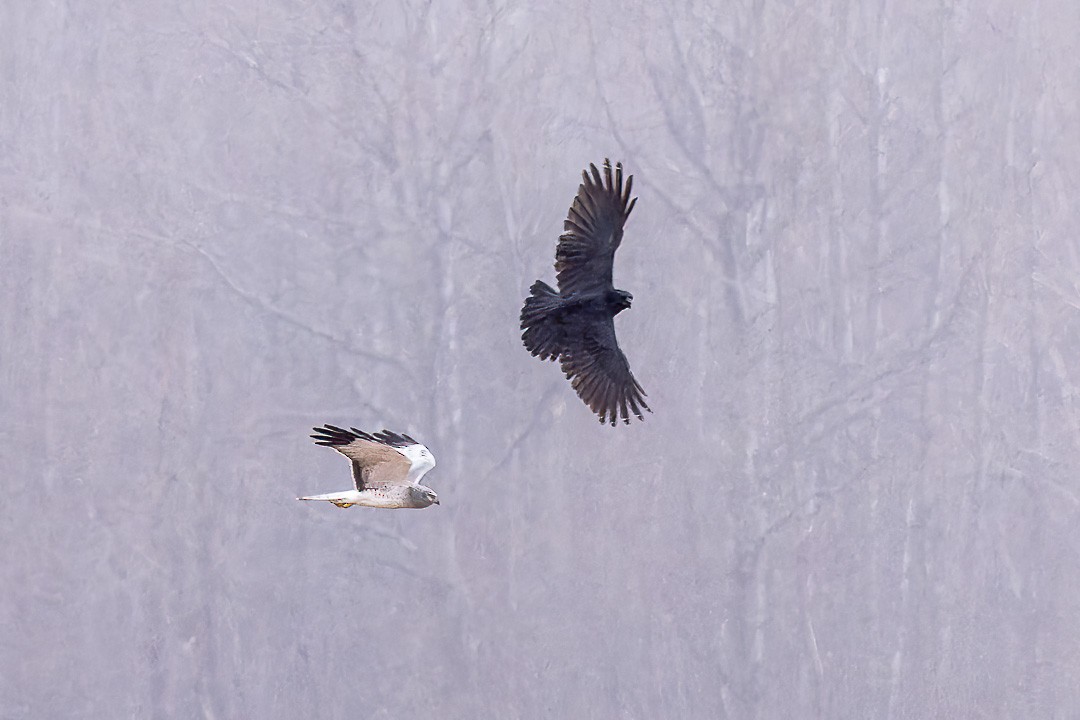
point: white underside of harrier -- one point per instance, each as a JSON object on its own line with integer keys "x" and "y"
{"x": 396, "y": 498}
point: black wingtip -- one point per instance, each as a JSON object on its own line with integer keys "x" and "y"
{"x": 333, "y": 436}
{"x": 393, "y": 439}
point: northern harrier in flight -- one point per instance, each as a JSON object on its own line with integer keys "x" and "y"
{"x": 576, "y": 325}
{"x": 386, "y": 469}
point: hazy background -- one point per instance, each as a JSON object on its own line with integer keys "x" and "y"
{"x": 856, "y": 272}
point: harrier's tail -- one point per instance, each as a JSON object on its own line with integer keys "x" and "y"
{"x": 542, "y": 335}
{"x": 344, "y": 499}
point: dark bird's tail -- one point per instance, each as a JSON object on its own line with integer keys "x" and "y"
{"x": 541, "y": 332}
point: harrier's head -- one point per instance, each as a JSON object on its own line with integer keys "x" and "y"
{"x": 423, "y": 495}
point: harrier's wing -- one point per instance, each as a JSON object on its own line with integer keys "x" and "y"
{"x": 600, "y": 374}
{"x": 593, "y": 230}
{"x": 376, "y": 459}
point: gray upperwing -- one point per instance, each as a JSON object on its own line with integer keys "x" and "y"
{"x": 376, "y": 460}
{"x": 381, "y": 472}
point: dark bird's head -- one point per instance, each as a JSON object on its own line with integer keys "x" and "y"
{"x": 618, "y": 300}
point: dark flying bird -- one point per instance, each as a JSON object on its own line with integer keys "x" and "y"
{"x": 386, "y": 469}
{"x": 576, "y": 325}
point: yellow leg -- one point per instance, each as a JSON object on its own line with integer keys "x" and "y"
{"x": 342, "y": 504}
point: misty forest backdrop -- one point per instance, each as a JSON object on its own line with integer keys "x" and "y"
{"x": 856, "y": 272}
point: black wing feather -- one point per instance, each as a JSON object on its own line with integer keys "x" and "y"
{"x": 593, "y": 230}
{"x": 333, "y": 436}
{"x": 600, "y": 374}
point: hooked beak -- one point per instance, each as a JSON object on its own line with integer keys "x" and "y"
{"x": 437, "y": 501}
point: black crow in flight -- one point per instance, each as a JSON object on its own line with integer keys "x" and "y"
{"x": 577, "y": 323}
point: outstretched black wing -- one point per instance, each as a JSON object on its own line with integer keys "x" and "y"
{"x": 593, "y": 230}
{"x": 600, "y": 374}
